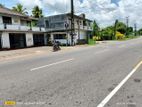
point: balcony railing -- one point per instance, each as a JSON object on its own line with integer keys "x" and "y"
{"x": 55, "y": 29}
{"x": 83, "y": 27}
{"x": 20, "y": 28}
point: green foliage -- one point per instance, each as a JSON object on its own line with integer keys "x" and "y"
{"x": 121, "y": 27}
{"x": 95, "y": 29}
{"x": 116, "y": 31}
{"x": 37, "y": 12}
{"x": 115, "y": 26}
{"x": 96, "y": 38}
{"x": 19, "y": 8}
{"x": 119, "y": 36}
{"x": 140, "y": 31}
{"x": 130, "y": 29}
{"x": 1, "y": 5}
{"x": 107, "y": 33}
{"x": 91, "y": 42}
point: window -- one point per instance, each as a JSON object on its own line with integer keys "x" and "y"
{"x": 59, "y": 36}
{"x": 47, "y": 23}
{"x": 7, "y": 20}
{"x": 84, "y": 23}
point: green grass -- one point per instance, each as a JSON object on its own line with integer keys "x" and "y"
{"x": 91, "y": 42}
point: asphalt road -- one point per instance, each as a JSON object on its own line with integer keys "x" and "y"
{"x": 78, "y": 78}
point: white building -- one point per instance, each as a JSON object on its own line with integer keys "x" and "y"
{"x": 19, "y": 31}
{"x": 59, "y": 29}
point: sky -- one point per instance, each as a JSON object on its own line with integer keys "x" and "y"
{"x": 105, "y": 12}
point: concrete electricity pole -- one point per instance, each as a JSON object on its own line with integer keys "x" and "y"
{"x": 135, "y": 26}
{"x": 72, "y": 22}
{"x": 127, "y": 21}
{"x": 115, "y": 27}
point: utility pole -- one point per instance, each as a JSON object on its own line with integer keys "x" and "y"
{"x": 72, "y": 22}
{"x": 127, "y": 21}
{"x": 115, "y": 27}
{"x": 135, "y": 26}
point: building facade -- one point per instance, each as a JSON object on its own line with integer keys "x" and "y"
{"x": 19, "y": 31}
{"x": 58, "y": 28}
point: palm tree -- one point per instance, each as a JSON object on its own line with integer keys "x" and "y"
{"x": 37, "y": 12}
{"x": 19, "y": 8}
{"x": 95, "y": 29}
{"x": 1, "y": 5}
{"x": 115, "y": 28}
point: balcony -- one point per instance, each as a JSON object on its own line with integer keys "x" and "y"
{"x": 20, "y": 28}
{"x": 87, "y": 28}
{"x": 55, "y": 29}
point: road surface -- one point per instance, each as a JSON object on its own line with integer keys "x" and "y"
{"x": 85, "y": 77}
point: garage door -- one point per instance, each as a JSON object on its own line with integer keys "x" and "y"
{"x": 38, "y": 39}
{"x": 17, "y": 40}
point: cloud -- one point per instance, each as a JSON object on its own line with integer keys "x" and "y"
{"x": 31, "y": 3}
{"x": 105, "y": 12}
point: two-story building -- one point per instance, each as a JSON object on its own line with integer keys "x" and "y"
{"x": 58, "y": 27}
{"x": 19, "y": 31}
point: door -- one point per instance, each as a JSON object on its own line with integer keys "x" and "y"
{"x": 17, "y": 40}
{"x": 38, "y": 39}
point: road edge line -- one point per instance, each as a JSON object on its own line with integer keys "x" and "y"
{"x": 107, "y": 99}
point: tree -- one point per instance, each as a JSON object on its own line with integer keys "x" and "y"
{"x": 1, "y": 5}
{"x": 140, "y": 31}
{"x": 121, "y": 27}
{"x": 37, "y": 12}
{"x": 19, "y": 8}
{"x": 108, "y": 33}
{"x": 96, "y": 28}
{"x": 115, "y": 28}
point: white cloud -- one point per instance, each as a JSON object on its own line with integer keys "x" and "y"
{"x": 103, "y": 11}
{"x": 31, "y": 3}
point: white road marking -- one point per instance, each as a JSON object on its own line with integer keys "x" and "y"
{"x": 56, "y": 63}
{"x": 107, "y": 99}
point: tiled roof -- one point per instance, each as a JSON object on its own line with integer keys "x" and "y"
{"x": 4, "y": 10}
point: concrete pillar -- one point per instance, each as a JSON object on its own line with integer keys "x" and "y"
{"x": 29, "y": 39}
{"x": 69, "y": 39}
{"x": 52, "y": 37}
{"x": 5, "y": 40}
{"x": 45, "y": 39}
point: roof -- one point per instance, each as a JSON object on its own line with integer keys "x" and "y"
{"x": 80, "y": 17}
{"x": 77, "y": 16}
{"x": 6, "y": 11}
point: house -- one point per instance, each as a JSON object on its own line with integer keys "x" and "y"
{"x": 58, "y": 28}
{"x": 19, "y": 31}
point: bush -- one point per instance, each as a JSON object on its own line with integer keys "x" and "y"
{"x": 119, "y": 36}
{"x": 91, "y": 42}
{"x": 96, "y": 38}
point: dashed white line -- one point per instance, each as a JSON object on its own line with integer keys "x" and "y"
{"x": 107, "y": 99}
{"x": 56, "y": 63}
